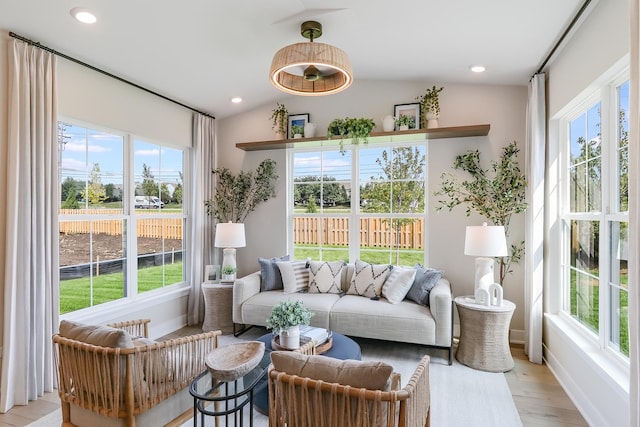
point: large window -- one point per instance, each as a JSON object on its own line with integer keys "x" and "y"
{"x": 595, "y": 217}
{"x": 369, "y": 204}
{"x": 121, "y": 218}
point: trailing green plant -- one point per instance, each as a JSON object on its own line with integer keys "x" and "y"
{"x": 429, "y": 103}
{"x": 356, "y": 129}
{"x": 238, "y": 195}
{"x": 405, "y": 120}
{"x": 496, "y": 194}
{"x": 279, "y": 118}
{"x": 288, "y": 313}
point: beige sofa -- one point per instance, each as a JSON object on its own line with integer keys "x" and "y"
{"x": 355, "y": 315}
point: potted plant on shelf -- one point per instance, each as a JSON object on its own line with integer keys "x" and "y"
{"x": 356, "y": 129}
{"x": 279, "y": 118}
{"x": 430, "y": 107}
{"x": 496, "y": 198}
{"x": 285, "y": 319}
{"x": 297, "y": 131}
{"x": 405, "y": 122}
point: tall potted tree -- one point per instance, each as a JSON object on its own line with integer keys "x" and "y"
{"x": 496, "y": 194}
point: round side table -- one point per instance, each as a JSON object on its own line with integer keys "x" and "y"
{"x": 218, "y": 304}
{"x": 484, "y": 335}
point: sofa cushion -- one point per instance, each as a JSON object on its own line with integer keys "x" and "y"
{"x": 324, "y": 277}
{"x": 103, "y": 336}
{"x": 398, "y": 283}
{"x": 354, "y": 373}
{"x": 426, "y": 279}
{"x": 271, "y": 278}
{"x": 368, "y": 279}
{"x": 295, "y": 275}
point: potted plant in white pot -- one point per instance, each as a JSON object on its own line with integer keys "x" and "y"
{"x": 228, "y": 273}
{"x": 279, "y": 119}
{"x": 285, "y": 320}
{"x": 430, "y": 107}
{"x": 405, "y": 122}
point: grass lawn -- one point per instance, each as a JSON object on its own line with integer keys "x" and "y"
{"x": 370, "y": 255}
{"x": 75, "y": 294}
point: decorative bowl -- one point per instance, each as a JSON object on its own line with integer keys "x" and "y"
{"x": 233, "y": 361}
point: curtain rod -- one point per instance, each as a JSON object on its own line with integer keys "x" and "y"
{"x": 564, "y": 35}
{"x": 106, "y": 73}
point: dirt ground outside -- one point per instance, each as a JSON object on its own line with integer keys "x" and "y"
{"x": 75, "y": 248}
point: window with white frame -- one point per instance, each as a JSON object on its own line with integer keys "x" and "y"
{"x": 595, "y": 216}
{"x": 121, "y": 218}
{"x": 368, "y": 203}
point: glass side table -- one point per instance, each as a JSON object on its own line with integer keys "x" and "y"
{"x": 225, "y": 399}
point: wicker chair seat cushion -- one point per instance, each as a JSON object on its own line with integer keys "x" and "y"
{"x": 103, "y": 336}
{"x": 354, "y": 373}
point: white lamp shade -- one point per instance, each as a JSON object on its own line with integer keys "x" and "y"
{"x": 485, "y": 241}
{"x": 230, "y": 235}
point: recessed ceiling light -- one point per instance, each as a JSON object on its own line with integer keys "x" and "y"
{"x": 236, "y": 100}
{"x": 477, "y": 68}
{"x": 83, "y": 15}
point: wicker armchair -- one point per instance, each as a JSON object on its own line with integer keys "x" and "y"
{"x": 143, "y": 385}
{"x": 298, "y": 401}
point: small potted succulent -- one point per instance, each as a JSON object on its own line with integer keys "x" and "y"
{"x": 279, "y": 119}
{"x": 405, "y": 122}
{"x": 285, "y": 319}
{"x": 228, "y": 273}
{"x": 430, "y": 106}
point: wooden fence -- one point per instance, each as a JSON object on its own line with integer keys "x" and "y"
{"x": 167, "y": 228}
{"x": 374, "y": 232}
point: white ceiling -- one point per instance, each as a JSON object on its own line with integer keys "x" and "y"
{"x": 203, "y": 52}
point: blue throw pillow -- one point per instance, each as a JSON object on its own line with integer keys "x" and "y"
{"x": 426, "y": 279}
{"x": 271, "y": 277}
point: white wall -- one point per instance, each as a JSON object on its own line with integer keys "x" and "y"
{"x": 503, "y": 107}
{"x": 597, "y": 385}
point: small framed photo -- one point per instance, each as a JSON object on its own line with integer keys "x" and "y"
{"x": 212, "y": 274}
{"x": 410, "y": 110}
{"x": 296, "y": 125}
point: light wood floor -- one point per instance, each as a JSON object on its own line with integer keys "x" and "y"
{"x": 538, "y": 396}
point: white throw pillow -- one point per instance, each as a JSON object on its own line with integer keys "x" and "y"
{"x": 324, "y": 277}
{"x": 367, "y": 279}
{"x": 295, "y": 275}
{"x": 398, "y": 283}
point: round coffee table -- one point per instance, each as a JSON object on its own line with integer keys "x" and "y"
{"x": 343, "y": 348}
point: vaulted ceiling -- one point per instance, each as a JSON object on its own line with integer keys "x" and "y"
{"x": 204, "y": 52}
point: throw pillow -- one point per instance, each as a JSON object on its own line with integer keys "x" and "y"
{"x": 354, "y": 373}
{"x": 271, "y": 279}
{"x": 103, "y": 336}
{"x": 324, "y": 277}
{"x": 398, "y": 283}
{"x": 426, "y": 279}
{"x": 367, "y": 279}
{"x": 295, "y": 275}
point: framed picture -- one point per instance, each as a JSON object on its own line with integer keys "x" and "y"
{"x": 212, "y": 274}
{"x": 297, "y": 120}
{"x": 409, "y": 110}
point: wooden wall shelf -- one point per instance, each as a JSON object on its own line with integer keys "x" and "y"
{"x": 437, "y": 133}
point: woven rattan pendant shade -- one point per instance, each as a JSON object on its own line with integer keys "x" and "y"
{"x": 289, "y": 62}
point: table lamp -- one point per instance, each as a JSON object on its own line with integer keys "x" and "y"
{"x": 485, "y": 241}
{"x": 229, "y": 236}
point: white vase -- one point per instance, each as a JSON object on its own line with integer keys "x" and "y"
{"x": 309, "y": 130}
{"x": 403, "y": 127}
{"x": 297, "y": 136}
{"x": 388, "y": 123}
{"x": 290, "y": 338}
{"x": 432, "y": 120}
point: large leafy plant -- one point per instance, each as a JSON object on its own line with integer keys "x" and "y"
{"x": 286, "y": 314}
{"x": 238, "y": 195}
{"x": 356, "y": 129}
{"x": 496, "y": 194}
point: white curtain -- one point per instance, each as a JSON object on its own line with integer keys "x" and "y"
{"x": 534, "y": 229}
{"x": 31, "y": 287}
{"x": 202, "y": 225}
{"x": 634, "y": 214}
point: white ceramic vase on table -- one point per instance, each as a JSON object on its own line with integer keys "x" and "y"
{"x": 290, "y": 338}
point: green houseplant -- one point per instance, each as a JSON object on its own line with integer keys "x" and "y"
{"x": 430, "y": 105}
{"x": 285, "y": 319}
{"x": 279, "y": 118}
{"x": 297, "y": 130}
{"x": 356, "y": 129}
{"x": 404, "y": 120}
{"x": 496, "y": 194}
